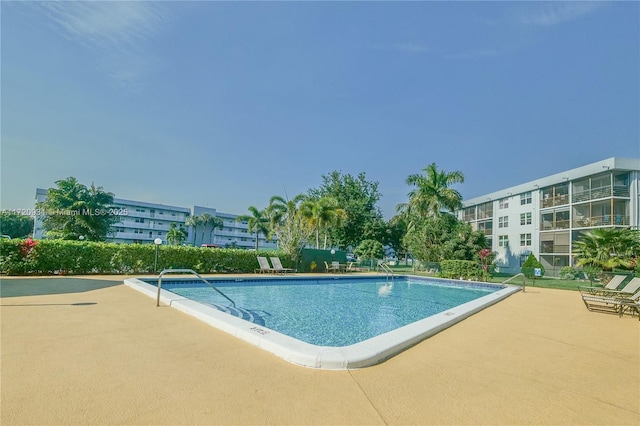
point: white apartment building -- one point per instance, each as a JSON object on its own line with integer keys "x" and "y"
{"x": 234, "y": 233}
{"x": 142, "y": 222}
{"x": 547, "y": 215}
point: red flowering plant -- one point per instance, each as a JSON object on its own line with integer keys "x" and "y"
{"x": 486, "y": 260}
{"x": 26, "y": 246}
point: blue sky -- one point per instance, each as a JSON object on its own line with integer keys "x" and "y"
{"x": 226, "y": 104}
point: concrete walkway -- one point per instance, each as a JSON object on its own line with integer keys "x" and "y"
{"x": 89, "y": 350}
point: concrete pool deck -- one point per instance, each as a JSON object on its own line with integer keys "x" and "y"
{"x": 88, "y": 350}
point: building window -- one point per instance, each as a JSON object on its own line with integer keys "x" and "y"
{"x": 525, "y": 240}
{"x": 525, "y": 198}
{"x": 503, "y": 203}
{"x": 503, "y": 222}
{"x": 503, "y": 241}
{"x": 525, "y": 218}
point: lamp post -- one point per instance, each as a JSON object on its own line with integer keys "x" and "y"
{"x": 157, "y": 242}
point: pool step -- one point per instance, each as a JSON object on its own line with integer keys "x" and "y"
{"x": 245, "y": 314}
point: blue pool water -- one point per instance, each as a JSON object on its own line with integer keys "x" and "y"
{"x": 331, "y": 312}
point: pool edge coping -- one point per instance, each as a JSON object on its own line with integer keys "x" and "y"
{"x": 359, "y": 355}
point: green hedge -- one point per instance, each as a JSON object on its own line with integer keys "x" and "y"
{"x": 74, "y": 257}
{"x": 465, "y": 269}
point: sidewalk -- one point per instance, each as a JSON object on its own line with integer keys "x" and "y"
{"x": 88, "y": 350}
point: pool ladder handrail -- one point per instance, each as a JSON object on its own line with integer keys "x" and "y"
{"x": 187, "y": 271}
{"x": 382, "y": 265}
{"x": 524, "y": 280}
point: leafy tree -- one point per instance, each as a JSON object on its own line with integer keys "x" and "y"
{"x": 370, "y": 249}
{"x": 193, "y": 221}
{"x": 73, "y": 210}
{"x": 358, "y": 198}
{"x": 432, "y": 192}
{"x": 607, "y": 248}
{"x": 15, "y": 225}
{"x": 257, "y": 222}
{"x": 175, "y": 235}
{"x": 322, "y": 213}
{"x": 289, "y": 225}
{"x": 394, "y": 236}
{"x": 443, "y": 237}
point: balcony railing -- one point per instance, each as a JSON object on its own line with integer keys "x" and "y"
{"x": 604, "y": 220}
{"x": 558, "y": 224}
{"x": 558, "y": 200}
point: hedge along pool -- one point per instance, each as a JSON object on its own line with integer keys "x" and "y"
{"x": 329, "y": 323}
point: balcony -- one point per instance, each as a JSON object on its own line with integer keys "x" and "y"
{"x": 602, "y": 192}
{"x": 557, "y": 224}
{"x": 558, "y": 200}
{"x": 605, "y": 220}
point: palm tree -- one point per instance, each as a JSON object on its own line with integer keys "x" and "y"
{"x": 193, "y": 221}
{"x": 215, "y": 222}
{"x": 206, "y": 219}
{"x": 288, "y": 224}
{"x": 432, "y": 193}
{"x": 322, "y": 213}
{"x": 175, "y": 235}
{"x": 607, "y": 248}
{"x": 257, "y": 222}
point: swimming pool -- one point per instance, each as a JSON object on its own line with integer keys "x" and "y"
{"x": 329, "y": 323}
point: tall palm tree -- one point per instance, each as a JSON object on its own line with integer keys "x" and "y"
{"x": 322, "y": 213}
{"x": 215, "y": 222}
{"x": 257, "y": 222}
{"x": 193, "y": 221}
{"x": 205, "y": 220}
{"x": 432, "y": 192}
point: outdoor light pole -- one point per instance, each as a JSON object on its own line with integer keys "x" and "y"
{"x": 157, "y": 242}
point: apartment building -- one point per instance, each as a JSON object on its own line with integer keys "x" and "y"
{"x": 142, "y": 222}
{"x": 234, "y": 233}
{"x": 547, "y": 215}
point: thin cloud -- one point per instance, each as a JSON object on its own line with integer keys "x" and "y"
{"x": 554, "y": 13}
{"x": 106, "y": 23}
{"x": 115, "y": 32}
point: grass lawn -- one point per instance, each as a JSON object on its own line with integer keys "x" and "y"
{"x": 545, "y": 282}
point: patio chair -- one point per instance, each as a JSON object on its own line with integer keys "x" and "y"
{"x": 277, "y": 266}
{"x": 334, "y": 267}
{"x": 616, "y": 303}
{"x": 264, "y": 266}
{"x": 352, "y": 268}
{"x": 631, "y": 287}
{"x": 611, "y": 285}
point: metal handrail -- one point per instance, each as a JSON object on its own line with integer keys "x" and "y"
{"x": 524, "y": 280}
{"x": 386, "y": 269}
{"x": 187, "y": 271}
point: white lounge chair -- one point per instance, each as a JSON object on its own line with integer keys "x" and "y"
{"x": 616, "y": 303}
{"x": 264, "y": 266}
{"x": 611, "y": 285}
{"x": 277, "y": 266}
{"x": 631, "y": 287}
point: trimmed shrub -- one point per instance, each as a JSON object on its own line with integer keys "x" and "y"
{"x": 465, "y": 269}
{"x": 529, "y": 266}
